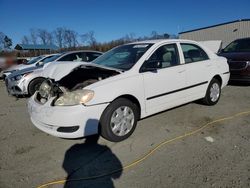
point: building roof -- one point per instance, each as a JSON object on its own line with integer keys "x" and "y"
{"x": 36, "y": 47}
{"x": 214, "y": 25}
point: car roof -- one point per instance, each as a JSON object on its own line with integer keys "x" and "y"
{"x": 70, "y": 52}
{"x": 47, "y": 55}
{"x": 155, "y": 41}
{"x": 247, "y": 38}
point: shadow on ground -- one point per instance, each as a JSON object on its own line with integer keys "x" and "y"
{"x": 90, "y": 159}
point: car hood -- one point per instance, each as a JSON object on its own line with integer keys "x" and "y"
{"x": 24, "y": 71}
{"x": 57, "y": 71}
{"x": 19, "y": 67}
{"x": 236, "y": 56}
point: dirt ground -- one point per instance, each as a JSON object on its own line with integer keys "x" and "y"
{"x": 218, "y": 156}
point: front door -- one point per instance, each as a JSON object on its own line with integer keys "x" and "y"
{"x": 164, "y": 77}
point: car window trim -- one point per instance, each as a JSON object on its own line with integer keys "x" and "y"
{"x": 208, "y": 58}
{"x": 178, "y": 53}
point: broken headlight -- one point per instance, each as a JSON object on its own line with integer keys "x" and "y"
{"x": 45, "y": 89}
{"x": 75, "y": 97}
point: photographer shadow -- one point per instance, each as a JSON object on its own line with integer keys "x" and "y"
{"x": 83, "y": 162}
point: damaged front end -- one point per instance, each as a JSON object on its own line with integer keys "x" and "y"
{"x": 69, "y": 90}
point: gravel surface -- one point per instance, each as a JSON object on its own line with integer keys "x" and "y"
{"x": 218, "y": 156}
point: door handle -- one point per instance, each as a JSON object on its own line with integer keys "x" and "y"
{"x": 181, "y": 71}
{"x": 209, "y": 65}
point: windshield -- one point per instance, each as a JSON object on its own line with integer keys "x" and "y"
{"x": 238, "y": 46}
{"x": 123, "y": 57}
{"x": 51, "y": 58}
{"x": 34, "y": 60}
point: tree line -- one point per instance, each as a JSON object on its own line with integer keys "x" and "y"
{"x": 67, "y": 40}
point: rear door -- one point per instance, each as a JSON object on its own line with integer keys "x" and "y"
{"x": 198, "y": 67}
{"x": 162, "y": 86}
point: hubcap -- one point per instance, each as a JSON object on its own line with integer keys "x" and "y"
{"x": 214, "y": 92}
{"x": 122, "y": 120}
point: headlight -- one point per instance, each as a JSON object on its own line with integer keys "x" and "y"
{"x": 75, "y": 98}
{"x": 44, "y": 89}
{"x": 19, "y": 77}
{"x": 16, "y": 78}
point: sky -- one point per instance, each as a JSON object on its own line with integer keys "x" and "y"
{"x": 113, "y": 19}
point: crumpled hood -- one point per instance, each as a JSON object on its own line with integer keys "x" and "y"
{"x": 58, "y": 70}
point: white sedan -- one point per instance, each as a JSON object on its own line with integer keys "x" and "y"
{"x": 128, "y": 83}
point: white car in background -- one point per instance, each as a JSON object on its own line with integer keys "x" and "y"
{"x": 27, "y": 81}
{"x": 128, "y": 83}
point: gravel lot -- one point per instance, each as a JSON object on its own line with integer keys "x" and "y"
{"x": 218, "y": 156}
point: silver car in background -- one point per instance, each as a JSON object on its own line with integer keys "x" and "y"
{"x": 24, "y": 82}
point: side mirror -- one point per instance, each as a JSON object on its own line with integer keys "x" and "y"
{"x": 151, "y": 66}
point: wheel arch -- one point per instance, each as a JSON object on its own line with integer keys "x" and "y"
{"x": 132, "y": 99}
{"x": 40, "y": 77}
{"x": 218, "y": 77}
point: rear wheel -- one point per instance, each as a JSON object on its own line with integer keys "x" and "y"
{"x": 119, "y": 120}
{"x": 213, "y": 93}
{"x": 34, "y": 85}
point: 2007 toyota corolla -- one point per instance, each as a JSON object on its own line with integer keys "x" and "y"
{"x": 126, "y": 84}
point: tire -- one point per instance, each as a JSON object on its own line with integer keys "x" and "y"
{"x": 125, "y": 123}
{"x": 213, "y": 93}
{"x": 34, "y": 85}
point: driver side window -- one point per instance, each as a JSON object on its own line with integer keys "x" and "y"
{"x": 165, "y": 56}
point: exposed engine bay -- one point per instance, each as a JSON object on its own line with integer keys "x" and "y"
{"x": 85, "y": 75}
{"x": 79, "y": 78}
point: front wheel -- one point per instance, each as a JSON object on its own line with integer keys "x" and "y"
{"x": 213, "y": 93}
{"x": 119, "y": 120}
{"x": 34, "y": 85}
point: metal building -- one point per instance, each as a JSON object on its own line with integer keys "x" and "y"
{"x": 226, "y": 32}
